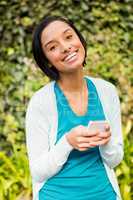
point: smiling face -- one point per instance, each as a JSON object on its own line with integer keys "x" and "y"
{"x": 62, "y": 47}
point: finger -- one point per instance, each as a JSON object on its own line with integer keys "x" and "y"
{"x": 82, "y": 131}
{"x": 105, "y": 141}
{"x": 107, "y": 127}
{"x": 89, "y": 139}
{"x": 88, "y": 145}
{"x": 86, "y": 132}
{"x": 92, "y": 139}
{"x": 95, "y": 139}
{"x": 89, "y": 133}
{"x": 92, "y": 133}
{"x": 105, "y": 134}
{"x": 84, "y": 145}
{"x": 83, "y": 149}
{"x": 100, "y": 143}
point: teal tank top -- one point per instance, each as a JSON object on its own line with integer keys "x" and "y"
{"x": 83, "y": 176}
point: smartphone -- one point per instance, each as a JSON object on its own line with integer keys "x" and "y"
{"x": 97, "y": 125}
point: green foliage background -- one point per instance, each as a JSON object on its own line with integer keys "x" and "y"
{"x": 108, "y": 29}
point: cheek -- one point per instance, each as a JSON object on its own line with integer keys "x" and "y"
{"x": 82, "y": 50}
{"x": 80, "y": 46}
{"x": 53, "y": 57}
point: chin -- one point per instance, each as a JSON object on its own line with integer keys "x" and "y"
{"x": 73, "y": 68}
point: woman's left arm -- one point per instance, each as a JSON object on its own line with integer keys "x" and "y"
{"x": 112, "y": 152}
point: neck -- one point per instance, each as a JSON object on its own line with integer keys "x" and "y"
{"x": 73, "y": 82}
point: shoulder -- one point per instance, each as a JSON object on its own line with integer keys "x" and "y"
{"x": 41, "y": 96}
{"x": 103, "y": 85}
{"x": 101, "y": 82}
{"x": 107, "y": 92}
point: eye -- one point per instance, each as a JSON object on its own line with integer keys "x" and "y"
{"x": 68, "y": 36}
{"x": 52, "y": 48}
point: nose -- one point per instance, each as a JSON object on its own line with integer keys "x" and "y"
{"x": 65, "y": 47}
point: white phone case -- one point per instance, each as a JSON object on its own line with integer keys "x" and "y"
{"x": 97, "y": 125}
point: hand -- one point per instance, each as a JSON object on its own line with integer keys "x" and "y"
{"x": 82, "y": 138}
{"x": 105, "y": 137}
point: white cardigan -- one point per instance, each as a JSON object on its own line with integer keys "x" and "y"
{"x": 45, "y": 158}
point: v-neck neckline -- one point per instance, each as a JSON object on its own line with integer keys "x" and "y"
{"x": 64, "y": 96}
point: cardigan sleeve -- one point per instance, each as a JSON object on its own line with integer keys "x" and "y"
{"x": 44, "y": 162}
{"x": 112, "y": 152}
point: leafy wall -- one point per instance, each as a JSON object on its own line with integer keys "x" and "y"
{"x": 108, "y": 29}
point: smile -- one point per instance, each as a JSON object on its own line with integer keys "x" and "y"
{"x": 71, "y": 57}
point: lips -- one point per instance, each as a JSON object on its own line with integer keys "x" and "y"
{"x": 70, "y": 56}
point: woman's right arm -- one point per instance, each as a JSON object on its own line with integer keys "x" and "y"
{"x": 44, "y": 161}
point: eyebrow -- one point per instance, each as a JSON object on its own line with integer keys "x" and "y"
{"x": 53, "y": 40}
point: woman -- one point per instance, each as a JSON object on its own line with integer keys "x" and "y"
{"x": 67, "y": 159}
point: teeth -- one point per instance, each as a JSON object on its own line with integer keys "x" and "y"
{"x": 70, "y": 56}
